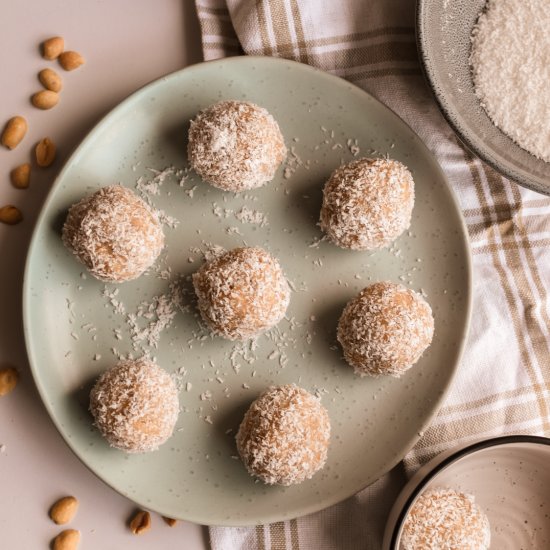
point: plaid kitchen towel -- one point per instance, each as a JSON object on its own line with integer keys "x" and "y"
{"x": 503, "y": 384}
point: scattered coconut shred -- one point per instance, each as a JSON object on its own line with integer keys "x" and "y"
{"x": 510, "y": 62}
{"x": 145, "y": 323}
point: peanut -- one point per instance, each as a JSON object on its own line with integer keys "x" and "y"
{"x": 53, "y": 47}
{"x": 20, "y": 176}
{"x": 141, "y": 522}
{"x": 14, "y": 132}
{"x": 46, "y": 99}
{"x": 10, "y": 215}
{"x": 71, "y": 60}
{"x": 64, "y": 510}
{"x": 45, "y": 152}
{"x": 67, "y": 540}
{"x": 169, "y": 521}
{"x": 50, "y": 80}
{"x": 8, "y": 380}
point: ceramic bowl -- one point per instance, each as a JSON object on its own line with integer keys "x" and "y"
{"x": 443, "y": 37}
{"x": 509, "y": 477}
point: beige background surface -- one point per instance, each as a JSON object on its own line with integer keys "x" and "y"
{"x": 126, "y": 43}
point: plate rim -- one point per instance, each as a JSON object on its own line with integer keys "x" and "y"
{"x": 450, "y": 114}
{"x": 27, "y": 298}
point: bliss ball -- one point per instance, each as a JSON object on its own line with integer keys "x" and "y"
{"x": 367, "y": 203}
{"x": 135, "y": 405}
{"x": 114, "y": 233}
{"x": 235, "y": 145}
{"x": 284, "y": 436}
{"x": 241, "y": 293}
{"x": 385, "y": 329}
{"x": 445, "y": 518}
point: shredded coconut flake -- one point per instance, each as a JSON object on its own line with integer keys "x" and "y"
{"x": 510, "y": 61}
{"x": 247, "y": 215}
{"x": 293, "y": 163}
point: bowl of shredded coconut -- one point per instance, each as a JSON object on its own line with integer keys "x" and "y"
{"x": 488, "y": 64}
{"x": 489, "y": 494}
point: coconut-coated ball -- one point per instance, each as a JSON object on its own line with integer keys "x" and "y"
{"x": 241, "y": 293}
{"x": 135, "y": 405}
{"x": 385, "y": 329}
{"x": 367, "y": 203}
{"x": 114, "y": 233}
{"x": 235, "y": 145}
{"x": 284, "y": 436}
{"x": 446, "y": 518}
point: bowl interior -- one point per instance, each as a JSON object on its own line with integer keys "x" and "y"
{"x": 510, "y": 482}
{"x": 444, "y": 29}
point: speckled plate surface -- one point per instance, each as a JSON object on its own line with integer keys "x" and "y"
{"x": 509, "y": 478}
{"x": 443, "y": 36}
{"x": 70, "y": 324}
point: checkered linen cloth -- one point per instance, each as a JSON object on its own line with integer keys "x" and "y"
{"x": 503, "y": 384}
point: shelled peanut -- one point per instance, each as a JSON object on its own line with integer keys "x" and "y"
{"x": 20, "y": 176}
{"x": 45, "y": 152}
{"x": 71, "y": 60}
{"x": 64, "y": 510}
{"x": 8, "y": 380}
{"x": 10, "y": 215}
{"x": 14, "y": 132}
{"x": 53, "y": 48}
{"x": 16, "y": 127}
{"x": 169, "y": 521}
{"x": 140, "y": 522}
{"x": 50, "y": 80}
{"x": 45, "y": 99}
{"x": 67, "y": 540}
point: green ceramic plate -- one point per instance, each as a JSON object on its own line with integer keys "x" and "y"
{"x": 70, "y": 325}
